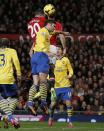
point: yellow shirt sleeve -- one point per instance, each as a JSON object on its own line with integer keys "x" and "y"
{"x": 69, "y": 67}
{"x": 16, "y": 62}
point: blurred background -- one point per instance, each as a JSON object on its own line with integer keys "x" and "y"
{"x": 84, "y": 19}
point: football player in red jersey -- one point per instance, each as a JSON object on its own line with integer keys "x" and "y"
{"x": 53, "y": 40}
{"x": 35, "y": 25}
{"x": 58, "y": 27}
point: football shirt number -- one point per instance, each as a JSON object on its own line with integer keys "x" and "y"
{"x": 2, "y": 60}
{"x": 34, "y": 29}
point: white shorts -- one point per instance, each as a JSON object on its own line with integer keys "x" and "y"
{"x": 53, "y": 51}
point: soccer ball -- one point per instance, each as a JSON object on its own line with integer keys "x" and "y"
{"x": 49, "y": 10}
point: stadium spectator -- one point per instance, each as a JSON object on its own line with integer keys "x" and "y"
{"x": 76, "y": 16}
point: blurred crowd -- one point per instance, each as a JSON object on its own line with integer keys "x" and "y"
{"x": 88, "y": 85}
{"x": 87, "y": 58}
{"x": 83, "y": 16}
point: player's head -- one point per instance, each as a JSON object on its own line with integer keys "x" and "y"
{"x": 50, "y": 25}
{"x": 59, "y": 50}
{"x": 39, "y": 12}
{"x": 49, "y": 10}
{"x": 4, "y": 42}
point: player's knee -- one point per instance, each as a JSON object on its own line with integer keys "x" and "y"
{"x": 43, "y": 77}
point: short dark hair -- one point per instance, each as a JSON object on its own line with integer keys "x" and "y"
{"x": 49, "y": 21}
{"x": 4, "y": 42}
{"x": 39, "y": 12}
{"x": 60, "y": 46}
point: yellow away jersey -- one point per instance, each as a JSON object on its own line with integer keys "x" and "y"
{"x": 8, "y": 58}
{"x": 42, "y": 41}
{"x": 61, "y": 71}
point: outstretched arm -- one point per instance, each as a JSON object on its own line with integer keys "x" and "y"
{"x": 31, "y": 50}
{"x": 61, "y": 32}
{"x": 63, "y": 42}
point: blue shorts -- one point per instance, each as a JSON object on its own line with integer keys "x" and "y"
{"x": 64, "y": 93}
{"x": 39, "y": 63}
{"x": 8, "y": 90}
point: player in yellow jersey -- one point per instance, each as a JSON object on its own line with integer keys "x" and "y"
{"x": 40, "y": 64}
{"x": 8, "y": 88}
{"x": 63, "y": 72}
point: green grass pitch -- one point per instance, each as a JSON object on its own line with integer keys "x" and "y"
{"x": 62, "y": 126}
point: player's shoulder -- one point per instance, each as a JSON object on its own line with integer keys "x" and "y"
{"x": 32, "y": 20}
{"x": 58, "y": 23}
{"x": 58, "y": 26}
{"x": 37, "y": 19}
{"x": 11, "y": 50}
{"x": 65, "y": 59}
{"x": 43, "y": 30}
{"x": 42, "y": 18}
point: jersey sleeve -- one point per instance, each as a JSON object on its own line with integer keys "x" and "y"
{"x": 16, "y": 62}
{"x": 58, "y": 26}
{"x": 69, "y": 67}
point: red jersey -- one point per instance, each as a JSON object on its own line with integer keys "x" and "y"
{"x": 53, "y": 40}
{"x": 35, "y": 25}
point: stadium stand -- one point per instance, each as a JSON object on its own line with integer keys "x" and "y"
{"x": 87, "y": 57}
